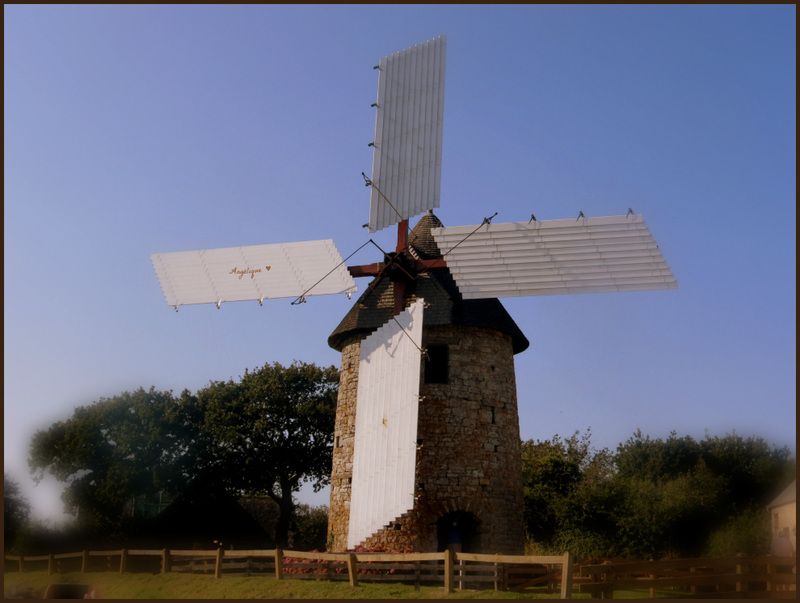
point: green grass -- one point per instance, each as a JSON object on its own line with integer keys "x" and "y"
{"x": 110, "y": 585}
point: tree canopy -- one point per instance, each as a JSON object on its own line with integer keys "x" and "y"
{"x": 653, "y": 498}
{"x": 16, "y": 511}
{"x": 263, "y": 434}
{"x": 270, "y": 432}
{"x": 131, "y": 444}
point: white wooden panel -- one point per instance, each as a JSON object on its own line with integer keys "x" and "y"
{"x": 255, "y": 272}
{"x": 407, "y": 157}
{"x": 385, "y": 445}
{"x": 554, "y": 257}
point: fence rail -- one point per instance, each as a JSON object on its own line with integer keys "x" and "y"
{"x": 453, "y": 570}
{"x": 764, "y": 577}
{"x": 734, "y": 577}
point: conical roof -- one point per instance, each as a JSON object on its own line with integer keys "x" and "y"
{"x": 436, "y": 286}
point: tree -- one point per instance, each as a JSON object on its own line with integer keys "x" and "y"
{"x": 309, "y": 528}
{"x": 656, "y": 460}
{"x": 112, "y": 450}
{"x": 653, "y": 498}
{"x": 270, "y": 432}
{"x": 16, "y": 511}
{"x": 556, "y": 476}
{"x": 264, "y": 434}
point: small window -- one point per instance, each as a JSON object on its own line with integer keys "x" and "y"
{"x": 436, "y": 364}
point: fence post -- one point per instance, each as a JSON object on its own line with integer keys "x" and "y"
{"x": 566, "y": 576}
{"x": 165, "y": 561}
{"x": 51, "y": 562}
{"x": 352, "y": 570}
{"x": 85, "y": 561}
{"x": 218, "y": 567}
{"x": 123, "y": 561}
{"x": 770, "y": 582}
{"x": 608, "y": 579}
{"x": 448, "y": 571}
{"x": 279, "y": 564}
{"x": 20, "y": 564}
{"x": 739, "y": 571}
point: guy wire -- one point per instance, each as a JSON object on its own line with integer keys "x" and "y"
{"x": 301, "y": 298}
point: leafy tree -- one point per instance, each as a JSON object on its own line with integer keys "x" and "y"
{"x": 270, "y": 432}
{"x": 752, "y": 471}
{"x": 553, "y": 473}
{"x": 309, "y": 528}
{"x": 108, "y": 452}
{"x": 748, "y": 532}
{"x": 16, "y": 512}
{"x": 588, "y": 520}
{"x": 653, "y": 498}
{"x": 264, "y": 434}
{"x": 656, "y": 460}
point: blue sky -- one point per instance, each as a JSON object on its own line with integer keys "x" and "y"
{"x": 131, "y": 130}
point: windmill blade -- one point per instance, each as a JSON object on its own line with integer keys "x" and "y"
{"x": 385, "y": 443}
{"x": 554, "y": 257}
{"x": 255, "y": 272}
{"x": 407, "y": 157}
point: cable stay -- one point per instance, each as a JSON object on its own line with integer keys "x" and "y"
{"x": 444, "y": 255}
{"x": 368, "y": 182}
{"x": 301, "y": 299}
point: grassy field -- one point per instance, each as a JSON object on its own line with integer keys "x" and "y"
{"x": 110, "y": 585}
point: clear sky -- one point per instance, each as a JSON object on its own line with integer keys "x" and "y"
{"x": 131, "y": 130}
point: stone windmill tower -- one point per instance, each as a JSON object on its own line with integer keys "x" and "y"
{"x": 427, "y": 429}
{"x": 468, "y": 466}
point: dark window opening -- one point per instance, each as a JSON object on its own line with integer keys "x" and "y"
{"x": 437, "y": 364}
{"x": 493, "y": 422}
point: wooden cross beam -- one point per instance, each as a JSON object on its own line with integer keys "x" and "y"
{"x": 399, "y": 266}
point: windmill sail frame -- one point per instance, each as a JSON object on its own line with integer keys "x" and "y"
{"x": 254, "y": 272}
{"x": 554, "y": 257}
{"x": 407, "y": 156}
{"x": 385, "y": 443}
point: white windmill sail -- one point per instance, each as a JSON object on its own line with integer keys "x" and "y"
{"x": 255, "y": 272}
{"x": 553, "y": 257}
{"x": 407, "y": 158}
{"x": 385, "y": 444}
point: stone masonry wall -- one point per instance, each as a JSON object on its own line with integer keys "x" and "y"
{"x": 468, "y": 455}
{"x": 343, "y": 445}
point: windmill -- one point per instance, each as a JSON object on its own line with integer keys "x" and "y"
{"x": 426, "y": 444}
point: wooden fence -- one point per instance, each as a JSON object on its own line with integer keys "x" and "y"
{"x": 734, "y": 577}
{"x": 729, "y": 578}
{"x": 453, "y": 570}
